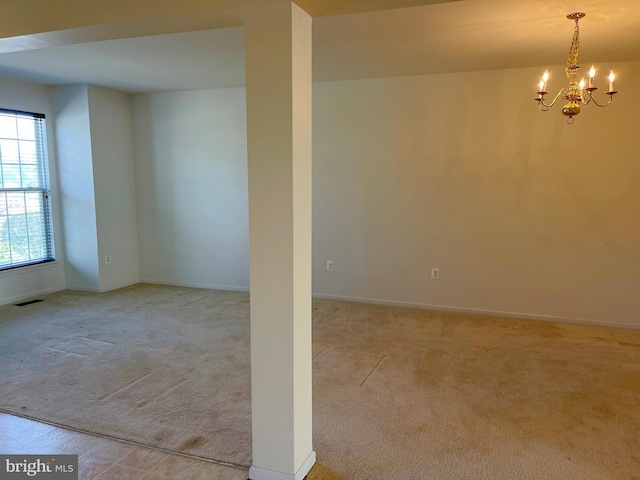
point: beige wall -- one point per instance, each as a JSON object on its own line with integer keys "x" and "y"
{"x": 522, "y": 213}
{"x": 191, "y": 186}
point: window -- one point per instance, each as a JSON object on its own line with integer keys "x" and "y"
{"x": 26, "y": 235}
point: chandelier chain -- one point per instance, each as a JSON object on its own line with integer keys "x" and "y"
{"x": 574, "y": 50}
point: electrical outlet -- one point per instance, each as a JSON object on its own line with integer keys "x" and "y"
{"x": 330, "y": 265}
{"x": 107, "y": 259}
{"x": 435, "y": 273}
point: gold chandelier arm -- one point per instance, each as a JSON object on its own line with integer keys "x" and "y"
{"x": 592, "y": 98}
{"x": 546, "y": 107}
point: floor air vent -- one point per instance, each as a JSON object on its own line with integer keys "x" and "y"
{"x": 27, "y": 303}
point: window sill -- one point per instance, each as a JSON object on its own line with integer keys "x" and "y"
{"x": 30, "y": 268}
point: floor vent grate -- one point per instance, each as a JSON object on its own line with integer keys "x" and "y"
{"x": 27, "y": 303}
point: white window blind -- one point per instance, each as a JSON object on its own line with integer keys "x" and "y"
{"x": 26, "y": 233}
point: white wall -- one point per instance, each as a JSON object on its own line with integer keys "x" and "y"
{"x": 73, "y": 134}
{"x": 18, "y": 284}
{"x": 97, "y": 181}
{"x": 521, "y": 212}
{"x": 114, "y": 183}
{"x": 191, "y": 184}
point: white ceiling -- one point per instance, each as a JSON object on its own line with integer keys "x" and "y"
{"x": 446, "y": 37}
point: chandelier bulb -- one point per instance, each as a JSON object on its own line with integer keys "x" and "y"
{"x": 612, "y": 77}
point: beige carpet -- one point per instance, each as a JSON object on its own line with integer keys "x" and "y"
{"x": 159, "y": 366}
{"x": 398, "y": 393}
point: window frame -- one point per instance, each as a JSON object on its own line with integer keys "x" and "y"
{"x": 43, "y": 188}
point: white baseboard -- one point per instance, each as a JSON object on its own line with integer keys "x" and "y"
{"x": 117, "y": 286}
{"x": 209, "y": 286}
{"x": 259, "y": 473}
{"x": 425, "y": 306}
{"x": 480, "y": 311}
{"x": 18, "y": 298}
{"x": 82, "y": 289}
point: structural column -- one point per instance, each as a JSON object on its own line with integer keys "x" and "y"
{"x": 278, "y": 78}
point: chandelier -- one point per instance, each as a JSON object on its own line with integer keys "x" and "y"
{"x": 578, "y": 93}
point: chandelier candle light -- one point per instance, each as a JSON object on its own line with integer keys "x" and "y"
{"x": 575, "y": 94}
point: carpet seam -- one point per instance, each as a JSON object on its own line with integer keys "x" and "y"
{"x": 121, "y": 440}
{"x": 372, "y": 371}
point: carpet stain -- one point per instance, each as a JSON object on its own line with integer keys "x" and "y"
{"x": 321, "y": 472}
{"x": 191, "y": 443}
